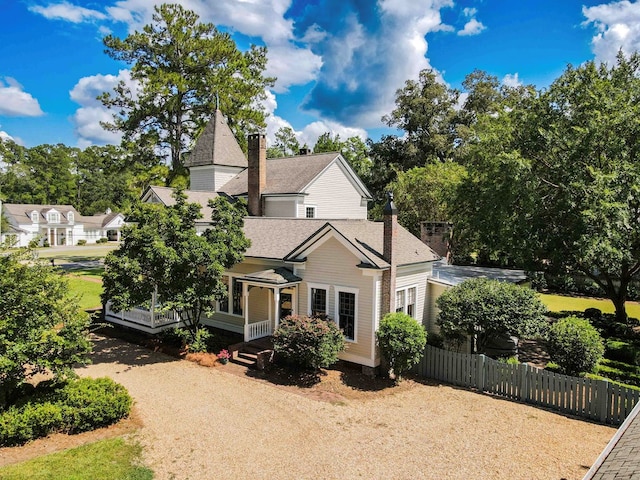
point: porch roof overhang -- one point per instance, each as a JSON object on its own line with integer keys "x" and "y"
{"x": 280, "y": 277}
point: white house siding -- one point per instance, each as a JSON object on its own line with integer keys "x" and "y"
{"x": 210, "y": 178}
{"x": 279, "y": 207}
{"x": 407, "y": 277}
{"x": 434, "y": 291}
{"x": 334, "y": 196}
{"x": 202, "y": 178}
{"x": 333, "y": 265}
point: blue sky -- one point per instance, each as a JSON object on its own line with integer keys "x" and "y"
{"x": 338, "y": 62}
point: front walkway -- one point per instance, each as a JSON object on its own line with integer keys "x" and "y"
{"x": 202, "y": 423}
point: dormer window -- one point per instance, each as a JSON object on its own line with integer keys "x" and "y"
{"x": 70, "y": 217}
{"x": 53, "y": 217}
{"x": 35, "y": 217}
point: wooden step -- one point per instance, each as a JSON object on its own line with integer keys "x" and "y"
{"x": 240, "y": 359}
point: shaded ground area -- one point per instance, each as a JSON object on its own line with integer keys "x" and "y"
{"x": 200, "y": 422}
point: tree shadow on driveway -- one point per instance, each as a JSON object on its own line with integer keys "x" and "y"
{"x": 114, "y": 350}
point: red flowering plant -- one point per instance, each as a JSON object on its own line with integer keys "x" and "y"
{"x": 224, "y": 355}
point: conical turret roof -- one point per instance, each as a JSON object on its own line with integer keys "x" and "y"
{"x": 217, "y": 145}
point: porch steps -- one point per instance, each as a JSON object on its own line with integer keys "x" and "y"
{"x": 245, "y": 359}
{"x": 246, "y": 353}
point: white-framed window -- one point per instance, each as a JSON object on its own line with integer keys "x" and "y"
{"x": 53, "y": 217}
{"x": 318, "y": 299}
{"x": 310, "y": 212}
{"x": 406, "y": 301}
{"x": 236, "y": 296}
{"x": 400, "y": 306}
{"x": 70, "y": 217}
{"x": 347, "y": 312}
{"x": 35, "y": 217}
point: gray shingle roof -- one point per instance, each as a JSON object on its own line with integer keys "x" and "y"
{"x": 284, "y": 175}
{"x": 216, "y": 145}
{"x": 278, "y": 237}
{"x": 164, "y": 194}
{"x": 20, "y": 213}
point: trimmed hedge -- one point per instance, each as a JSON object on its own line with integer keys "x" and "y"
{"x": 73, "y": 407}
{"x": 401, "y": 340}
{"x": 308, "y": 342}
{"x": 575, "y": 345}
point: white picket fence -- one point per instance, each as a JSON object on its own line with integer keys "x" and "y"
{"x": 596, "y": 400}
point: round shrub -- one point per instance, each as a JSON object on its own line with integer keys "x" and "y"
{"x": 308, "y": 342}
{"x": 401, "y": 340}
{"x": 92, "y": 403}
{"x": 575, "y": 345}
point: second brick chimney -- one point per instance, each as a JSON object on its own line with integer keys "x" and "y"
{"x": 257, "y": 160}
{"x": 390, "y": 237}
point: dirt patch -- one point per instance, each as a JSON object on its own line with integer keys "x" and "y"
{"x": 60, "y": 441}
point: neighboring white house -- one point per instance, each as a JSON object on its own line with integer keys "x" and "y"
{"x": 312, "y": 248}
{"x": 56, "y": 225}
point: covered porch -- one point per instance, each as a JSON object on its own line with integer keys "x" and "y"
{"x": 149, "y": 320}
{"x": 280, "y": 287}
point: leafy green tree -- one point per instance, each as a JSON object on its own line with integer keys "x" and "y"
{"x": 41, "y": 174}
{"x": 426, "y": 193}
{"x": 425, "y": 110}
{"x": 575, "y": 345}
{"x": 104, "y": 178}
{"x": 327, "y": 143}
{"x": 185, "y": 70}
{"x": 163, "y": 257}
{"x": 286, "y": 144}
{"x": 584, "y": 155}
{"x": 488, "y": 309}
{"x": 401, "y": 340}
{"x": 557, "y": 171}
{"x": 42, "y": 328}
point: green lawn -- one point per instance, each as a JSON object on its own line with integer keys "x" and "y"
{"x": 88, "y": 291}
{"x": 558, "y": 303}
{"x": 75, "y": 254}
{"x": 104, "y": 460}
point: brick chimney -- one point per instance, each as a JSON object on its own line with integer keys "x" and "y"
{"x": 257, "y": 160}
{"x": 390, "y": 237}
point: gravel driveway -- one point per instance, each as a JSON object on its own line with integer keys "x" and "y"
{"x": 206, "y": 423}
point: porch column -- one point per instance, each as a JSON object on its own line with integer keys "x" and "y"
{"x": 245, "y": 300}
{"x": 55, "y": 237}
{"x": 49, "y": 236}
{"x": 294, "y": 300}
{"x": 276, "y": 304}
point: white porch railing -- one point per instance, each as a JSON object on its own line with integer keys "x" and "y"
{"x": 253, "y": 331}
{"x": 144, "y": 317}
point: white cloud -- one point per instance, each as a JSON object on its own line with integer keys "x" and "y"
{"x": 91, "y": 112}
{"x": 618, "y": 27}
{"x": 472, "y": 27}
{"x": 469, "y": 12}
{"x": 511, "y": 80}
{"x": 15, "y": 102}
{"x": 310, "y": 133}
{"x": 290, "y": 60}
{"x": 67, "y": 11}
{"x": 5, "y": 136}
{"x": 368, "y": 55}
